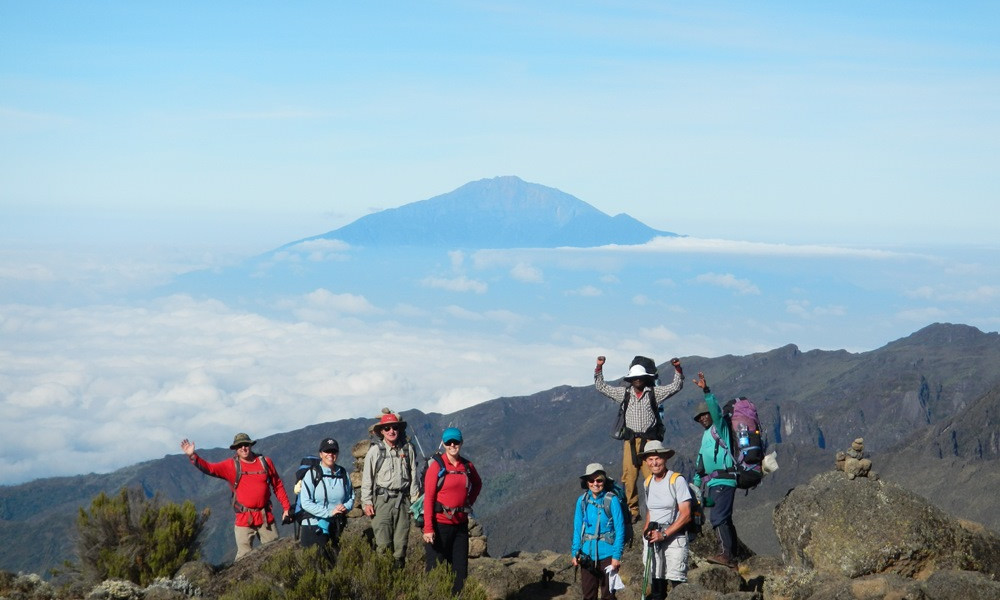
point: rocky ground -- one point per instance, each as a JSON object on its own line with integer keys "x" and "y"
{"x": 842, "y": 538}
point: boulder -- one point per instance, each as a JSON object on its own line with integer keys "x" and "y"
{"x": 526, "y": 576}
{"x": 715, "y": 578}
{"x": 862, "y": 526}
{"x": 966, "y": 585}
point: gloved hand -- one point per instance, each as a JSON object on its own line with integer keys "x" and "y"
{"x": 676, "y": 362}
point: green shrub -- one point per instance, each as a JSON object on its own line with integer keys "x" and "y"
{"x": 359, "y": 574}
{"x": 135, "y": 538}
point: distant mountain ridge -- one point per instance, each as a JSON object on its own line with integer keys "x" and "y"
{"x": 502, "y": 212}
{"x": 926, "y": 405}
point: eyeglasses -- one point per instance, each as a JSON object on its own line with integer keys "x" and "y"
{"x": 390, "y": 428}
{"x": 596, "y": 480}
{"x": 453, "y": 443}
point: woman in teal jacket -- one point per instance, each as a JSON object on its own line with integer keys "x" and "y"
{"x": 717, "y": 470}
{"x": 598, "y": 537}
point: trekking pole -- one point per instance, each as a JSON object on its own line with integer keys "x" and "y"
{"x": 645, "y": 571}
{"x": 419, "y": 445}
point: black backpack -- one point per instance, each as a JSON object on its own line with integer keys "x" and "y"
{"x": 647, "y": 363}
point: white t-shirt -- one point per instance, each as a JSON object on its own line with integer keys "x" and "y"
{"x": 662, "y": 501}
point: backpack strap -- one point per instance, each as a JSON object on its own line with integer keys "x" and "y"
{"x": 609, "y": 535}
{"x": 264, "y": 463}
{"x": 444, "y": 471}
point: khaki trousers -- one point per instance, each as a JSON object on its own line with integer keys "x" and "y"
{"x": 268, "y": 532}
{"x": 630, "y": 473}
{"x": 391, "y": 524}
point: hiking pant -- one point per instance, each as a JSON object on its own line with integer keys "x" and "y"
{"x": 451, "y": 545}
{"x": 670, "y": 558}
{"x": 591, "y": 582}
{"x": 630, "y": 473}
{"x": 312, "y": 535}
{"x": 268, "y": 532}
{"x": 721, "y": 517}
{"x": 391, "y": 525}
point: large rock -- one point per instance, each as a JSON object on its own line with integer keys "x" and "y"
{"x": 857, "y": 527}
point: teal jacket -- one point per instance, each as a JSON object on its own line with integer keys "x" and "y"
{"x": 712, "y": 456}
{"x": 594, "y": 533}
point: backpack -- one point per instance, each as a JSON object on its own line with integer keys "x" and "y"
{"x": 617, "y": 492}
{"x": 620, "y": 431}
{"x": 267, "y": 467}
{"x": 417, "y": 506}
{"x": 740, "y": 418}
{"x": 310, "y": 465}
{"x": 693, "y": 528}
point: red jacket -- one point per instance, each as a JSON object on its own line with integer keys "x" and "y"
{"x": 459, "y": 489}
{"x": 252, "y": 501}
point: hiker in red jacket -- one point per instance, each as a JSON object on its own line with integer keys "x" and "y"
{"x": 252, "y": 477}
{"x": 448, "y": 500}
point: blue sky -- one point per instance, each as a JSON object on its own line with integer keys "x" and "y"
{"x": 834, "y": 165}
{"x": 253, "y": 123}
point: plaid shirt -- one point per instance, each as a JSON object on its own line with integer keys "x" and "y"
{"x": 639, "y": 416}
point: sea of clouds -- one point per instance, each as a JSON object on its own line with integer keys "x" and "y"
{"x": 94, "y": 377}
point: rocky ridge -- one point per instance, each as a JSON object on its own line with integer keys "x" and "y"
{"x": 844, "y": 535}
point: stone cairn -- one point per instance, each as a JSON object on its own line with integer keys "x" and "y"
{"x": 477, "y": 538}
{"x": 853, "y": 461}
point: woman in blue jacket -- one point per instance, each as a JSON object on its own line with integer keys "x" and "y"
{"x": 598, "y": 532}
{"x": 326, "y": 497}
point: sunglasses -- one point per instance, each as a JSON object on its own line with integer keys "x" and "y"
{"x": 390, "y": 428}
{"x": 242, "y": 446}
{"x": 453, "y": 443}
{"x": 596, "y": 480}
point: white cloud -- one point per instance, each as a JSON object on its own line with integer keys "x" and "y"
{"x": 715, "y": 246}
{"x": 658, "y": 334}
{"x": 463, "y": 313}
{"x": 585, "y": 291}
{"x": 455, "y": 284}
{"x": 127, "y": 383}
{"x": 728, "y": 281}
{"x": 317, "y": 250}
{"x": 976, "y": 295}
{"x": 344, "y": 303}
{"x": 805, "y": 310}
{"x": 526, "y": 273}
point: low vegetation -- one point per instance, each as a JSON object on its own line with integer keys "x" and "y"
{"x": 129, "y": 545}
{"x": 135, "y": 538}
{"x": 359, "y": 574}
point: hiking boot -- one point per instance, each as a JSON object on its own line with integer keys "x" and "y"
{"x": 722, "y": 559}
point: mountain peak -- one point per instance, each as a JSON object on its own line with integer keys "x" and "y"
{"x": 499, "y": 212}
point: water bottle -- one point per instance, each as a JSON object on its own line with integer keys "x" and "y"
{"x": 744, "y": 436}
